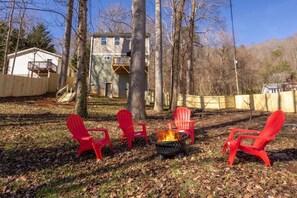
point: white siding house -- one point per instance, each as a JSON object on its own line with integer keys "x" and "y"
{"x": 34, "y": 62}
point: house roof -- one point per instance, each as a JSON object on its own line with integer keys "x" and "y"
{"x": 113, "y": 34}
{"x": 33, "y": 49}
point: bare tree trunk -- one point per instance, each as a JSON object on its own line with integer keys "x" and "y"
{"x": 66, "y": 45}
{"x": 137, "y": 76}
{"x": 189, "y": 78}
{"x": 81, "y": 97}
{"x": 175, "y": 54}
{"x": 5, "y": 66}
{"x": 22, "y": 15}
{"x": 158, "y": 60}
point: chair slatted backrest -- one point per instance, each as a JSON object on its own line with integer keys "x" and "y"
{"x": 76, "y": 126}
{"x": 273, "y": 125}
{"x": 124, "y": 118}
{"x": 182, "y": 114}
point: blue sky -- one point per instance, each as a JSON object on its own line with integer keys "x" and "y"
{"x": 255, "y": 21}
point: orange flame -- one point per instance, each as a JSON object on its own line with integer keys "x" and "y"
{"x": 168, "y": 136}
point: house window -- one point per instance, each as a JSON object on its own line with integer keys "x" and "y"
{"x": 116, "y": 40}
{"x": 103, "y": 40}
{"x": 107, "y": 58}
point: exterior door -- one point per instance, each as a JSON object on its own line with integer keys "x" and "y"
{"x": 123, "y": 85}
{"x": 108, "y": 90}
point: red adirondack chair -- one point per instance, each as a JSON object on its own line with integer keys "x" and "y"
{"x": 80, "y": 133}
{"x": 273, "y": 125}
{"x": 126, "y": 124}
{"x": 183, "y": 122}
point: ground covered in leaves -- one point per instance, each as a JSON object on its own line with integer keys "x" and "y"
{"x": 38, "y": 156}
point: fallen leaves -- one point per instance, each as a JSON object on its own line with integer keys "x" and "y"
{"x": 39, "y": 158}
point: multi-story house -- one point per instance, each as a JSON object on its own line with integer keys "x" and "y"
{"x": 109, "y": 67}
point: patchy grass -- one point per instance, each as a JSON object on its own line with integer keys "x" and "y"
{"x": 38, "y": 155}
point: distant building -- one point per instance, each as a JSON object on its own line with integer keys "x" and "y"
{"x": 109, "y": 68}
{"x": 271, "y": 88}
{"x": 275, "y": 88}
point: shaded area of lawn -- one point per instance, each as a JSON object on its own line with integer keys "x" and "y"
{"x": 38, "y": 155}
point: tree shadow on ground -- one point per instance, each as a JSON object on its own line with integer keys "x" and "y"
{"x": 64, "y": 184}
{"x": 30, "y": 119}
{"x": 284, "y": 155}
{"x": 18, "y": 161}
{"x": 42, "y": 118}
{"x": 202, "y": 134}
{"x": 23, "y": 160}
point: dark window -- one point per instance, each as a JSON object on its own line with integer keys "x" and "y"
{"x": 103, "y": 40}
{"x": 116, "y": 40}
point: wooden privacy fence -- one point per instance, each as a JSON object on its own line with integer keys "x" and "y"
{"x": 286, "y": 101}
{"x": 25, "y": 86}
{"x": 22, "y": 86}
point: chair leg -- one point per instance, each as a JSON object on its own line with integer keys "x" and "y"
{"x": 79, "y": 152}
{"x": 111, "y": 147}
{"x": 192, "y": 138}
{"x": 224, "y": 148}
{"x": 98, "y": 153}
{"x": 263, "y": 155}
{"x": 122, "y": 138}
{"x": 232, "y": 156}
{"x": 97, "y": 150}
{"x": 129, "y": 141}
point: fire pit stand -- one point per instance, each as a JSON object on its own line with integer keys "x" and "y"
{"x": 172, "y": 148}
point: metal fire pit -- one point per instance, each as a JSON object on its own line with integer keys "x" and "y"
{"x": 172, "y": 148}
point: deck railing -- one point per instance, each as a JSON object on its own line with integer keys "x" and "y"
{"x": 42, "y": 66}
{"x": 121, "y": 60}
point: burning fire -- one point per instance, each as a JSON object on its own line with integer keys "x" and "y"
{"x": 169, "y": 135}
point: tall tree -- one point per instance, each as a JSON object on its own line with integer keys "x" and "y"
{"x": 189, "y": 78}
{"x": 81, "y": 83}
{"x": 158, "y": 60}
{"x": 137, "y": 76}
{"x": 39, "y": 37}
{"x": 66, "y": 45}
{"x": 5, "y": 66}
{"x": 22, "y": 15}
{"x": 179, "y": 7}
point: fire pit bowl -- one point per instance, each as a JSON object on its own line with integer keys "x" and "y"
{"x": 171, "y": 148}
